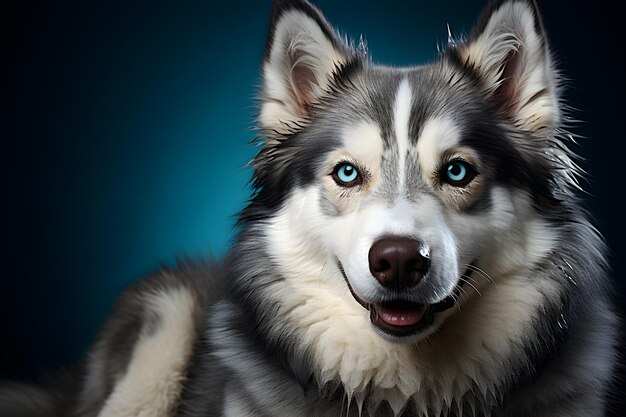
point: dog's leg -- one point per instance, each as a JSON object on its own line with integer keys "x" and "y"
{"x": 154, "y": 377}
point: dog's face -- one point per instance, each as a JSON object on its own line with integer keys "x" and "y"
{"x": 398, "y": 186}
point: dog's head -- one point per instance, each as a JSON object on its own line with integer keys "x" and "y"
{"x": 399, "y": 185}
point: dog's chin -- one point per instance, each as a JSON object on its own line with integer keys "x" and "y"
{"x": 401, "y": 320}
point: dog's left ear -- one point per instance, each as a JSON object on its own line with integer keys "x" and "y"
{"x": 508, "y": 49}
{"x": 302, "y": 54}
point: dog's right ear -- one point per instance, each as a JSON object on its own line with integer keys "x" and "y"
{"x": 301, "y": 55}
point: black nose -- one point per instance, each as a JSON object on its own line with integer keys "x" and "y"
{"x": 398, "y": 262}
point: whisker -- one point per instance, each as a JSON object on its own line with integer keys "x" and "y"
{"x": 463, "y": 278}
{"x": 464, "y": 292}
{"x": 472, "y": 279}
{"x": 457, "y": 302}
{"x": 481, "y": 272}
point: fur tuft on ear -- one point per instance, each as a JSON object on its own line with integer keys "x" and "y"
{"x": 301, "y": 57}
{"x": 508, "y": 50}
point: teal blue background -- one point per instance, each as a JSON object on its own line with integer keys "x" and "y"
{"x": 125, "y": 130}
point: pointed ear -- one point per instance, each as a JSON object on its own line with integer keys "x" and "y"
{"x": 509, "y": 51}
{"x": 301, "y": 56}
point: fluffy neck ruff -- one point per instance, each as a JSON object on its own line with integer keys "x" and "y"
{"x": 468, "y": 362}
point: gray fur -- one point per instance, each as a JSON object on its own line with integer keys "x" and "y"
{"x": 248, "y": 356}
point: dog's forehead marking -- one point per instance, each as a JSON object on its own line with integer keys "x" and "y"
{"x": 438, "y": 134}
{"x": 401, "y": 120}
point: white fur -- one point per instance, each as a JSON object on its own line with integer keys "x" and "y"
{"x": 401, "y": 119}
{"x": 519, "y": 238}
{"x": 154, "y": 378}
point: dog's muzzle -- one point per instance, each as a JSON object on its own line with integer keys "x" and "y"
{"x": 402, "y": 318}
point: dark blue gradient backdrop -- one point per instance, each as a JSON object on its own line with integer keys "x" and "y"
{"x": 125, "y": 130}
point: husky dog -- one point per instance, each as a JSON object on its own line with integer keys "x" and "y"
{"x": 414, "y": 247}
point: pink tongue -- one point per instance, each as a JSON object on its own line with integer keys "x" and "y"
{"x": 400, "y": 317}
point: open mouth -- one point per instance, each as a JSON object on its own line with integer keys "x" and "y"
{"x": 403, "y": 318}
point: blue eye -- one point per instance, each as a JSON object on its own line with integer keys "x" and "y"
{"x": 458, "y": 173}
{"x": 346, "y": 175}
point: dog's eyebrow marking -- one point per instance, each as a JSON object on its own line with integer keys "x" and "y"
{"x": 437, "y": 135}
{"x": 401, "y": 118}
{"x": 364, "y": 141}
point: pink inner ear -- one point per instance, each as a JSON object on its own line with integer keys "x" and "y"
{"x": 303, "y": 80}
{"x": 304, "y": 83}
{"x": 508, "y": 92}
